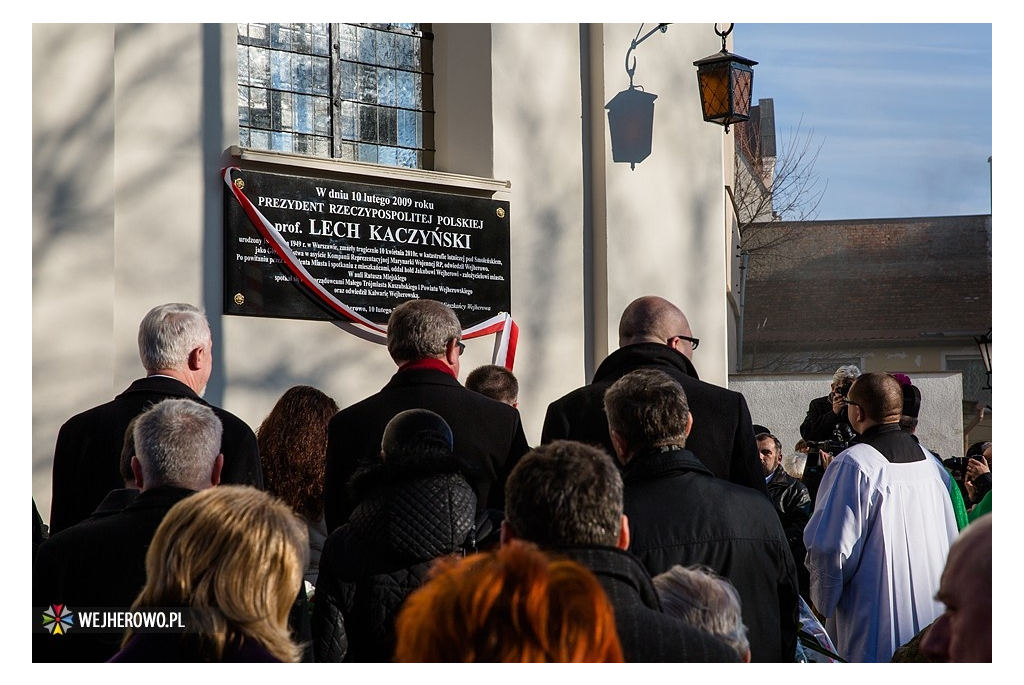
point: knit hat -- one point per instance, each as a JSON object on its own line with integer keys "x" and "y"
{"x": 414, "y": 428}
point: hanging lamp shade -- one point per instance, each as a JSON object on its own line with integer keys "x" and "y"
{"x": 726, "y": 82}
{"x": 631, "y": 125}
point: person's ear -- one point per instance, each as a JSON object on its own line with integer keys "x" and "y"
{"x": 623, "y": 541}
{"x": 507, "y": 535}
{"x": 689, "y": 424}
{"x": 620, "y": 446}
{"x": 451, "y": 352}
{"x": 218, "y": 467}
{"x": 197, "y": 358}
{"x": 137, "y": 471}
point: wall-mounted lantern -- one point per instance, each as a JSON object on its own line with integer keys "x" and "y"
{"x": 631, "y": 113}
{"x": 726, "y": 83}
{"x": 984, "y": 343}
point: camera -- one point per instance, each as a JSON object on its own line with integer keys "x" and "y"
{"x": 844, "y": 388}
{"x": 957, "y": 466}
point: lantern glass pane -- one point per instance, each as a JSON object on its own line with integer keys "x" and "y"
{"x": 714, "y": 91}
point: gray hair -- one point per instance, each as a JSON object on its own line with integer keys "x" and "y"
{"x": 794, "y": 464}
{"x": 169, "y": 332}
{"x": 177, "y": 442}
{"x": 849, "y": 372}
{"x": 420, "y": 329}
{"x": 700, "y": 597}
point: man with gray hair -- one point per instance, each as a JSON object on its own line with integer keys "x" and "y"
{"x": 176, "y": 349}
{"x": 680, "y": 513}
{"x": 425, "y": 342}
{"x": 707, "y": 601}
{"x": 566, "y": 497}
{"x": 826, "y": 415}
{"x": 100, "y": 563}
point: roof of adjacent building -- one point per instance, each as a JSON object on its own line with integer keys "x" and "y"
{"x": 869, "y": 280}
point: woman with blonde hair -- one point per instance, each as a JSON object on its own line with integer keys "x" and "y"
{"x": 232, "y": 556}
{"x": 512, "y": 605}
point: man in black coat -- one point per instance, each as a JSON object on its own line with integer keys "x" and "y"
{"x": 654, "y": 333}
{"x": 176, "y": 349}
{"x": 566, "y": 497}
{"x": 792, "y": 502}
{"x": 100, "y": 563}
{"x": 680, "y": 513}
{"x": 826, "y": 417}
{"x": 425, "y": 341}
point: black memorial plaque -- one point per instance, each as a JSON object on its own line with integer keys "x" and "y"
{"x": 369, "y": 247}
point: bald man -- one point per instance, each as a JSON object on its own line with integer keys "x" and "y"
{"x": 654, "y": 333}
{"x": 963, "y": 634}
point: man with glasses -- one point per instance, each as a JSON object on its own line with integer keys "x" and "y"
{"x": 880, "y": 532}
{"x": 425, "y": 342}
{"x": 654, "y": 333}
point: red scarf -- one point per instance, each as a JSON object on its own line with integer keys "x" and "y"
{"x": 435, "y": 364}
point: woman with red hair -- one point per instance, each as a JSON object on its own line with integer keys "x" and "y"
{"x": 515, "y": 604}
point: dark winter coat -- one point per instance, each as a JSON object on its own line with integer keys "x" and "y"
{"x": 722, "y": 433}
{"x": 86, "y": 459}
{"x": 487, "y": 432}
{"x": 646, "y": 634}
{"x": 820, "y": 421}
{"x": 793, "y": 503}
{"x": 679, "y": 513}
{"x": 410, "y": 514}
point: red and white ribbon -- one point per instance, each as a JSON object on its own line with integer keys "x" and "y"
{"x": 501, "y": 323}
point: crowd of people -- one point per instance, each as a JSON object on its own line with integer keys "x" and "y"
{"x": 655, "y": 522}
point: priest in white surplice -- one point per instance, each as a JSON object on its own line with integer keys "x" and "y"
{"x": 881, "y": 529}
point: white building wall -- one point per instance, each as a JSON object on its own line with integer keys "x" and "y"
{"x": 131, "y": 124}
{"x": 779, "y": 402}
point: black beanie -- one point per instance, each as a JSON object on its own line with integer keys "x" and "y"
{"x": 416, "y": 427}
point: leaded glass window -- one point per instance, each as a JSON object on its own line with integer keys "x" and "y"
{"x": 378, "y": 77}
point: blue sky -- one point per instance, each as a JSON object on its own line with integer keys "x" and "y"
{"x": 903, "y": 111}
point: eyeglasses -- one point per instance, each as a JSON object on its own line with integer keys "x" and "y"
{"x": 847, "y": 403}
{"x": 462, "y": 347}
{"x": 693, "y": 341}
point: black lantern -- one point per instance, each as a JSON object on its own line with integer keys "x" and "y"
{"x": 984, "y": 343}
{"x": 726, "y": 83}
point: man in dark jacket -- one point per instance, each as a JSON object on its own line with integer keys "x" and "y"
{"x": 792, "y": 503}
{"x": 176, "y": 350}
{"x": 827, "y": 415}
{"x": 679, "y": 513}
{"x": 425, "y": 341}
{"x": 101, "y": 563}
{"x": 654, "y": 333}
{"x": 566, "y": 497}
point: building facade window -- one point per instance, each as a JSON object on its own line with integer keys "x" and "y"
{"x": 973, "y": 377}
{"x": 357, "y": 92}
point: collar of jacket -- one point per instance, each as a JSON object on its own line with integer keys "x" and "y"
{"x": 632, "y": 357}
{"x": 661, "y": 464}
{"x": 428, "y": 363}
{"x": 159, "y": 496}
{"x": 422, "y": 376}
{"x": 165, "y": 385}
{"x": 611, "y": 564}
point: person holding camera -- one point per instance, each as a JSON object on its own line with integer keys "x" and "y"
{"x": 827, "y": 414}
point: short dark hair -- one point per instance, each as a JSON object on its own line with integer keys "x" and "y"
{"x": 565, "y": 493}
{"x": 495, "y": 382}
{"x": 778, "y": 443}
{"x": 648, "y": 408}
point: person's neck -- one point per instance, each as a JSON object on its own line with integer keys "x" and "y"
{"x": 183, "y": 376}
